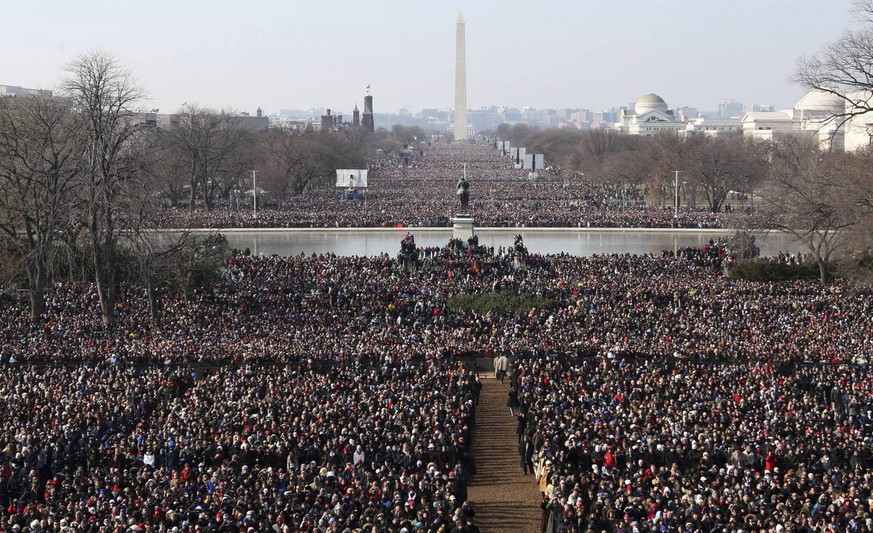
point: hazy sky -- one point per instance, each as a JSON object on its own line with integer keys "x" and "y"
{"x": 303, "y": 54}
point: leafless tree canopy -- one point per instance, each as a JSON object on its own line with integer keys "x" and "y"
{"x": 207, "y": 149}
{"x": 808, "y": 194}
{"x": 831, "y": 192}
{"x": 74, "y": 193}
{"x": 712, "y": 166}
{"x": 293, "y": 161}
{"x": 718, "y": 165}
{"x": 824, "y": 199}
{"x": 844, "y": 67}
{"x": 39, "y": 150}
{"x": 83, "y": 176}
{"x": 103, "y": 95}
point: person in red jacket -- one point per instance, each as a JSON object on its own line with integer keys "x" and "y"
{"x": 770, "y": 461}
{"x": 609, "y": 459}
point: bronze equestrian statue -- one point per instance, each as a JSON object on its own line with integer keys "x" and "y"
{"x": 464, "y": 192}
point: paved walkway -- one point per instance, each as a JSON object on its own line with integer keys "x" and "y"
{"x": 504, "y": 499}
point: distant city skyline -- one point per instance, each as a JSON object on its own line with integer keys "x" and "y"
{"x": 305, "y": 55}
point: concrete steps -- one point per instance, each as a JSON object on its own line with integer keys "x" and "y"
{"x": 504, "y": 499}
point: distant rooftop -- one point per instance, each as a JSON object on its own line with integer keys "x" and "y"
{"x": 14, "y": 90}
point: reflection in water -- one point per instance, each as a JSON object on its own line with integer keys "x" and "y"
{"x": 574, "y": 242}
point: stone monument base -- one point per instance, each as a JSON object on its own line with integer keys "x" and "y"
{"x": 463, "y": 227}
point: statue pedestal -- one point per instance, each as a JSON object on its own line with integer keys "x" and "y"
{"x": 462, "y": 227}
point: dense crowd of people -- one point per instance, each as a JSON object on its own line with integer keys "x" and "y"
{"x": 375, "y": 308}
{"x": 328, "y": 393}
{"x": 658, "y": 444}
{"x": 422, "y": 194}
{"x": 278, "y": 447}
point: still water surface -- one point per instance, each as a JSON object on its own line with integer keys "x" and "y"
{"x": 581, "y": 242}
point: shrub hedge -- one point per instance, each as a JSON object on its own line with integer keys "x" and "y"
{"x": 499, "y": 302}
{"x": 773, "y": 271}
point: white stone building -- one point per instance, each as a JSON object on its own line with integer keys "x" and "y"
{"x": 859, "y": 129}
{"x": 714, "y": 126}
{"x": 818, "y": 113}
{"x": 766, "y": 125}
{"x": 649, "y": 117}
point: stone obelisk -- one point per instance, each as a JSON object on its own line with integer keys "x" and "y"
{"x": 463, "y": 225}
{"x": 460, "y": 81}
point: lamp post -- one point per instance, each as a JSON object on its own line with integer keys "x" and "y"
{"x": 254, "y": 194}
{"x": 676, "y": 194}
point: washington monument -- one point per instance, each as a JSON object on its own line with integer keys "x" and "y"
{"x": 460, "y": 81}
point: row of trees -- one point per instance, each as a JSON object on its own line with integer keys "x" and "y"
{"x": 83, "y": 176}
{"x": 206, "y": 156}
{"x": 823, "y": 198}
{"x": 77, "y": 194}
{"x": 68, "y": 174}
{"x": 711, "y": 167}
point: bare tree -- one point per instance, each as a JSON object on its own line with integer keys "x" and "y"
{"x": 282, "y": 156}
{"x": 718, "y": 165}
{"x": 209, "y": 146}
{"x": 856, "y": 264}
{"x": 38, "y": 170}
{"x": 147, "y": 253}
{"x": 293, "y": 161}
{"x": 595, "y": 147}
{"x": 630, "y": 162}
{"x": 518, "y": 134}
{"x": 102, "y": 94}
{"x": 562, "y": 148}
{"x": 844, "y": 67}
{"x": 807, "y": 196}
{"x": 169, "y": 172}
{"x": 668, "y": 152}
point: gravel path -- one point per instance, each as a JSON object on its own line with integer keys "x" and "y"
{"x": 504, "y": 499}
